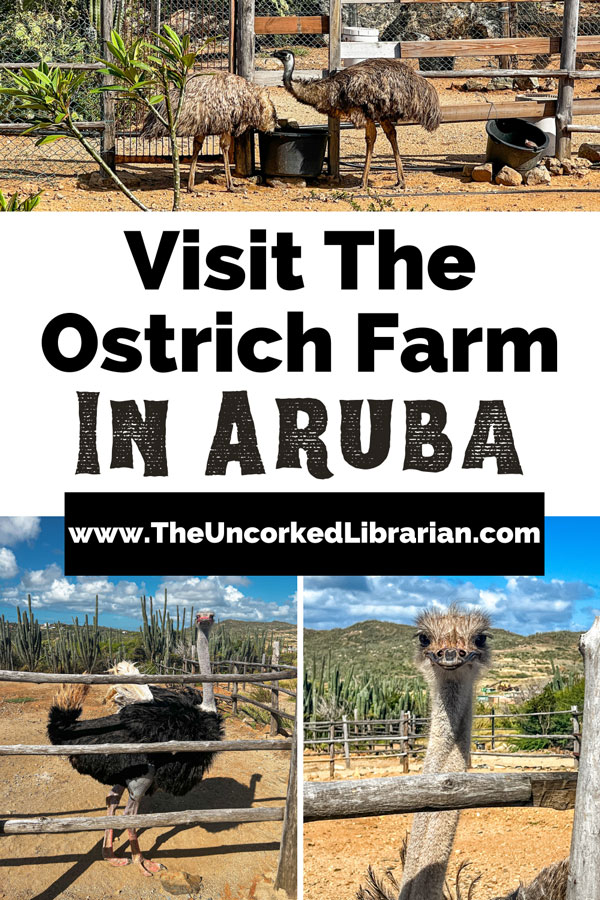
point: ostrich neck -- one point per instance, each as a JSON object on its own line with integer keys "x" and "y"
{"x": 208, "y": 691}
{"x": 432, "y": 834}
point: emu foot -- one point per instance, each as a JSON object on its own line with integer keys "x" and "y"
{"x": 148, "y": 867}
{"x": 110, "y": 857}
{"x": 401, "y": 184}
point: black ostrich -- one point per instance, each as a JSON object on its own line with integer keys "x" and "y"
{"x": 165, "y": 715}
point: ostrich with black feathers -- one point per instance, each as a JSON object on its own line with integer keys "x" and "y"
{"x": 148, "y": 714}
{"x": 375, "y": 90}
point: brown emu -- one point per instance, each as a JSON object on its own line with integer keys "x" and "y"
{"x": 166, "y": 715}
{"x": 376, "y": 90}
{"x": 224, "y": 105}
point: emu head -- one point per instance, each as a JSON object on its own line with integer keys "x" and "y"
{"x": 452, "y": 643}
{"x": 287, "y": 58}
{"x": 205, "y": 621}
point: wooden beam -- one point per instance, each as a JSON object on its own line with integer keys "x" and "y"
{"x": 291, "y": 25}
{"x": 244, "y": 59}
{"x": 584, "y": 864}
{"x": 335, "y": 63}
{"x": 488, "y": 47}
{"x": 107, "y": 100}
{"x": 46, "y": 825}
{"x": 55, "y": 678}
{"x": 566, "y": 86}
{"x": 287, "y": 865}
{"x": 162, "y": 747}
{"x": 429, "y": 793}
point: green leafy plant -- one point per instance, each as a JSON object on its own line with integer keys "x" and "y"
{"x": 15, "y": 203}
{"x": 45, "y": 96}
{"x": 150, "y": 73}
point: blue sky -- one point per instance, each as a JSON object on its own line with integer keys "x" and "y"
{"x": 567, "y": 597}
{"x": 31, "y": 562}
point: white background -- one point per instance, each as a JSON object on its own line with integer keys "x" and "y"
{"x": 533, "y": 270}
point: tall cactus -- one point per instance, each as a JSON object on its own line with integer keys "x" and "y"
{"x": 28, "y": 638}
{"x": 6, "y": 654}
{"x": 87, "y": 640}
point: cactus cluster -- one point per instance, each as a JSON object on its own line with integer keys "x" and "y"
{"x": 6, "y": 654}
{"x": 330, "y": 693}
{"x": 28, "y": 637}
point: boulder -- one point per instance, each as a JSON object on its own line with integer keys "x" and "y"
{"x": 553, "y": 165}
{"x": 508, "y": 177}
{"x": 468, "y": 169}
{"x": 590, "y": 151}
{"x": 483, "y": 172}
{"x": 525, "y": 83}
{"x": 475, "y": 84}
{"x": 538, "y": 175}
{"x": 501, "y": 84}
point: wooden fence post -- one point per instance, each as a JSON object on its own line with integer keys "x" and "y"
{"x": 234, "y": 694}
{"x": 109, "y": 135}
{"x": 335, "y": 39}
{"x": 584, "y": 864}
{"x": 493, "y": 729}
{"x": 346, "y": 744}
{"x": 155, "y": 16}
{"x": 287, "y": 866}
{"x": 244, "y": 62}
{"x": 274, "y": 691}
{"x": 405, "y": 716}
{"x": 566, "y": 86}
{"x": 505, "y": 61}
{"x": 576, "y": 731}
{"x": 332, "y": 751}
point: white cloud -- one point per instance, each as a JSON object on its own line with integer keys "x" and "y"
{"x": 525, "y": 605}
{"x": 14, "y": 529}
{"x": 8, "y": 563}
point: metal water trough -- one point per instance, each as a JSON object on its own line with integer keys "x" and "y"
{"x": 297, "y": 151}
{"x": 506, "y": 144}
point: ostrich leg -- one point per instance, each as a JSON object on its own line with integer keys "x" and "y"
{"x": 390, "y": 133}
{"x": 137, "y": 788}
{"x": 112, "y": 804}
{"x": 225, "y": 142}
{"x": 370, "y": 136}
{"x": 198, "y": 142}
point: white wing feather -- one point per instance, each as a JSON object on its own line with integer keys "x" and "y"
{"x": 125, "y": 694}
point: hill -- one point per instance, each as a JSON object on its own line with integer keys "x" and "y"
{"x": 386, "y": 648}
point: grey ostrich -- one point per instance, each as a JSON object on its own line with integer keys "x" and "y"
{"x": 224, "y": 105}
{"x": 452, "y": 653}
{"x": 376, "y": 90}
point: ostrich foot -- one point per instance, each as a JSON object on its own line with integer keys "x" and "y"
{"x": 148, "y": 868}
{"x": 109, "y": 855}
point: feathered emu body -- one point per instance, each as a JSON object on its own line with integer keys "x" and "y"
{"x": 224, "y": 105}
{"x": 163, "y": 714}
{"x": 376, "y": 90}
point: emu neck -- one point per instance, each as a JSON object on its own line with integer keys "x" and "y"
{"x": 432, "y": 834}
{"x": 208, "y": 691}
{"x": 288, "y": 71}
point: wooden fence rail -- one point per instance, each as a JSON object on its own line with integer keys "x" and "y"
{"x": 162, "y": 747}
{"x": 429, "y": 793}
{"x": 57, "y": 678}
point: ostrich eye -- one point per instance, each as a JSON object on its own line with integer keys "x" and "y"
{"x": 424, "y": 640}
{"x": 480, "y": 640}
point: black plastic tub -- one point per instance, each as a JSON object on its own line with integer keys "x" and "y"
{"x": 293, "y": 151}
{"x": 506, "y": 144}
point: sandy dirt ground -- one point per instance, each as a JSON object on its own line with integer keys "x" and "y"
{"x": 234, "y": 860}
{"x": 433, "y": 165}
{"x": 502, "y": 845}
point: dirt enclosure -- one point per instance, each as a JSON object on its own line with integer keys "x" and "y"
{"x": 234, "y": 860}
{"x": 503, "y": 845}
{"x": 433, "y": 165}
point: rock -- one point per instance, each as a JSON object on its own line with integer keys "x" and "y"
{"x": 582, "y": 163}
{"x": 538, "y": 175}
{"x": 590, "y": 151}
{"x": 468, "y": 169}
{"x": 475, "y": 84}
{"x": 180, "y": 883}
{"x": 508, "y": 177}
{"x": 548, "y": 85}
{"x": 553, "y": 165}
{"x": 286, "y": 182}
{"x": 501, "y": 84}
{"x": 482, "y": 172}
{"x": 525, "y": 83}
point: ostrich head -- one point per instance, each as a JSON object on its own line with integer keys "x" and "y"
{"x": 205, "y": 621}
{"x": 453, "y": 643}
{"x": 287, "y": 58}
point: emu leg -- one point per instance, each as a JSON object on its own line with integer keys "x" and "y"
{"x": 112, "y": 804}
{"x": 225, "y": 145}
{"x": 370, "y": 135}
{"x": 137, "y": 788}
{"x": 390, "y": 133}
{"x": 198, "y": 142}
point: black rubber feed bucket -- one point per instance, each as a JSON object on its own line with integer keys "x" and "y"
{"x": 293, "y": 151}
{"x": 506, "y": 144}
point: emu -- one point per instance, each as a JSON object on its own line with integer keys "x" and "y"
{"x": 147, "y": 714}
{"x": 376, "y": 90}
{"x": 224, "y": 105}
